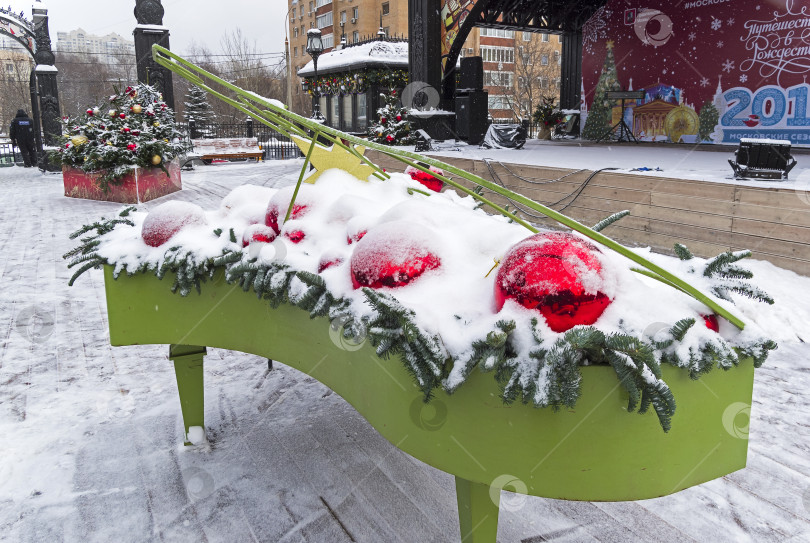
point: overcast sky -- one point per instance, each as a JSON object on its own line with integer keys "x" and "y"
{"x": 200, "y": 21}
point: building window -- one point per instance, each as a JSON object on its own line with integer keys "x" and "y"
{"x": 343, "y": 17}
{"x": 328, "y": 41}
{"x": 527, "y": 36}
{"x": 544, "y": 60}
{"x": 557, "y": 57}
{"x": 355, "y": 12}
{"x": 543, "y": 82}
{"x": 348, "y": 113}
{"x": 324, "y": 20}
{"x": 321, "y": 3}
{"x": 545, "y": 36}
{"x": 311, "y": 8}
{"x": 295, "y": 32}
{"x": 295, "y": 54}
{"x": 559, "y": 38}
{"x": 497, "y": 33}
{"x": 293, "y": 13}
{"x": 498, "y": 79}
{"x": 355, "y": 36}
{"x": 498, "y": 102}
{"x": 498, "y": 54}
{"x": 387, "y": 30}
{"x": 386, "y": 8}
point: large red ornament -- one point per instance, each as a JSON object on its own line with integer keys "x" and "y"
{"x": 90, "y": 112}
{"x": 399, "y": 118}
{"x": 123, "y": 115}
{"x": 167, "y": 219}
{"x": 258, "y": 233}
{"x": 390, "y": 138}
{"x": 383, "y": 120}
{"x": 392, "y": 255}
{"x": 131, "y": 146}
{"x": 425, "y": 178}
{"x": 280, "y": 202}
{"x": 557, "y": 274}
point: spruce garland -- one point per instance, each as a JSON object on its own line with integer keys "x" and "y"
{"x": 544, "y": 377}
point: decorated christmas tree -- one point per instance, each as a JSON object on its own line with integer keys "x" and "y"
{"x": 709, "y": 117}
{"x": 600, "y": 115}
{"x": 136, "y": 128}
{"x": 197, "y": 107}
{"x": 393, "y": 127}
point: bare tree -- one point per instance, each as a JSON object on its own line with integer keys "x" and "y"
{"x": 15, "y": 90}
{"x": 536, "y": 74}
{"x": 85, "y": 80}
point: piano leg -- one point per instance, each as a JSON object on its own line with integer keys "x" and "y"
{"x": 477, "y": 511}
{"x": 188, "y": 368}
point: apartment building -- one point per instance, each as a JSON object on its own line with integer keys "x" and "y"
{"x": 108, "y": 47}
{"x": 355, "y": 20}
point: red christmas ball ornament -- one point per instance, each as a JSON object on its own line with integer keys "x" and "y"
{"x": 356, "y": 237}
{"x": 136, "y": 132}
{"x": 383, "y": 120}
{"x": 425, "y": 178}
{"x": 101, "y": 126}
{"x": 711, "y": 322}
{"x": 67, "y": 146}
{"x": 131, "y": 146}
{"x": 392, "y": 255}
{"x": 557, "y": 274}
{"x": 258, "y": 233}
{"x": 126, "y": 129}
{"x": 122, "y": 115}
{"x": 296, "y": 236}
{"x": 166, "y": 220}
{"x": 280, "y": 202}
{"x": 90, "y": 112}
{"x": 390, "y": 138}
{"x": 327, "y": 263}
{"x": 399, "y": 118}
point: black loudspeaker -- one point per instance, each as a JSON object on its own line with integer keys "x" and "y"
{"x": 472, "y": 110}
{"x": 472, "y": 74}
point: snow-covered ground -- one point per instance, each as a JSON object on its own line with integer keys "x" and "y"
{"x": 701, "y": 163}
{"x": 92, "y": 434}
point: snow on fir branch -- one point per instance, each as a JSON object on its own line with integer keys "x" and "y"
{"x": 134, "y": 129}
{"x": 540, "y": 374}
{"x": 725, "y": 276}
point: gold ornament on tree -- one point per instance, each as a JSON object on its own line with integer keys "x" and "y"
{"x": 80, "y": 139}
{"x": 156, "y": 123}
{"x": 157, "y": 159}
{"x": 137, "y": 108}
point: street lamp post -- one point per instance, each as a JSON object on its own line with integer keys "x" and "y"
{"x": 314, "y": 49}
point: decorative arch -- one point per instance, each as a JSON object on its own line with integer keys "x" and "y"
{"x": 18, "y": 28}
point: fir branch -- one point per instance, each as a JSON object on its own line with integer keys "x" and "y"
{"x": 682, "y": 252}
{"x": 604, "y": 223}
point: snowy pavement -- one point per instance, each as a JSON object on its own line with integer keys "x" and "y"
{"x": 684, "y": 161}
{"x": 92, "y": 447}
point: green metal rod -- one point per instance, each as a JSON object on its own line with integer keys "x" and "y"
{"x": 301, "y": 178}
{"x": 171, "y": 61}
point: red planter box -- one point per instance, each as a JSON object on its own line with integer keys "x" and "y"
{"x": 140, "y": 185}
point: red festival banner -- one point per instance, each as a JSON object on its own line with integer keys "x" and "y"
{"x": 711, "y": 70}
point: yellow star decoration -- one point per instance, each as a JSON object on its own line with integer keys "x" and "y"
{"x": 325, "y": 158}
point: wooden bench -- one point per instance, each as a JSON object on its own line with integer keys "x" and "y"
{"x": 208, "y": 150}
{"x": 762, "y": 159}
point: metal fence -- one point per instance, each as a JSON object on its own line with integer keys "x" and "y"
{"x": 276, "y": 146}
{"x": 9, "y": 155}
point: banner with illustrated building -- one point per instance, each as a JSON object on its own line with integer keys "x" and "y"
{"x": 711, "y": 70}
